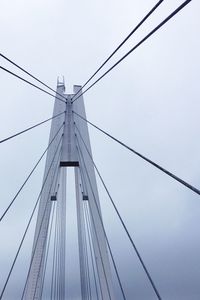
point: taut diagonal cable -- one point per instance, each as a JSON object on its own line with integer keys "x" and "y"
{"x": 22, "y": 69}
{"x": 121, "y": 44}
{"x": 94, "y": 263}
{"x": 101, "y": 221}
{"x": 30, "y": 83}
{"x": 29, "y": 128}
{"x": 26, "y": 230}
{"x": 91, "y": 251}
{"x": 186, "y": 184}
{"x": 121, "y": 220}
{"x": 28, "y": 177}
{"x": 98, "y": 242}
{"x": 48, "y": 247}
{"x": 136, "y": 46}
{"x": 50, "y": 226}
{"x": 55, "y": 175}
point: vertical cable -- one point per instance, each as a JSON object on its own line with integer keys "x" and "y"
{"x": 122, "y": 222}
{"x": 48, "y": 247}
{"x": 54, "y": 255}
{"x": 86, "y": 257}
{"x": 43, "y": 255}
{"x": 90, "y": 247}
{"x": 88, "y": 233}
{"x": 100, "y": 218}
{"x": 94, "y": 226}
{"x": 35, "y": 246}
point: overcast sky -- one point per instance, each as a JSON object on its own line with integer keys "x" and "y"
{"x": 150, "y": 101}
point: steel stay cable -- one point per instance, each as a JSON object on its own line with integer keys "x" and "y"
{"x": 54, "y": 254}
{"x": 88, "y": 291}
{"x": 90, "y": 228}
{"x": 30, "y": 83}
{"x": 56, "y": 260}
{"x": 90, "y": 247}
{"x": 55, "y": 266}
{"x": 55, "y": 176}
{"x": 85, "y": 255}
{"x": 86, "y": 260}
{"x": 90, "y": 241}
{"x": 63, "y": 231}
{"x": 62, "y": 226}
{"x": 92, "y": 257}
{"x": 36, "y": 244}
{"x": 12, "y": 266}
{"x": 33, "y": 254}
{"x": 48, "y": 246}
{"x": 85, "y": 251}
{"x": 98, "y": 243}
{"x": 61, "y": 259}
{"x": 186, "y": 184}
{"x": 121, "y": 44}
{"x": 45, "y": 255}
{"x": 22, "y": 186}
{"x": 59, "y": 263}
{"x": 43, "y": 252}
{"x": 89, "y": 237}
{"x": 136, "y": 46}
{"x": 29, "y": 128}
{"x": 58, "y": 256}
{"x": 81, "y": 244}
{"x": 22, "y": 69}
{"x": 121, "y": 220}
{"x": 101, "y": 221}
{"x": 54, "y": 286}
{"x": 83, "y": 183}
{"x": 24, "y": 235}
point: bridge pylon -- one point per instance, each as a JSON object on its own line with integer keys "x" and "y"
{"x": 68, "y": 134}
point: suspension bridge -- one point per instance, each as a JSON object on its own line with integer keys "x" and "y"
{"x": 69, "y": 148}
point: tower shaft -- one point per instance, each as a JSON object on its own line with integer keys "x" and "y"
{"x": 67, "y": 150}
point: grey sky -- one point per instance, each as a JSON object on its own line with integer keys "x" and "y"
{"x": 150, "y": 101}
